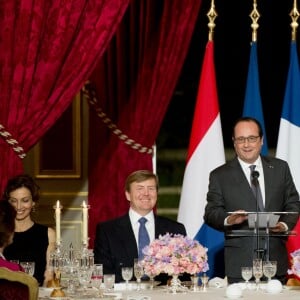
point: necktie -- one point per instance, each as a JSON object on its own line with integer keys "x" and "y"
{"x": 256, "y": 189}
{"x": 143, "y": 238}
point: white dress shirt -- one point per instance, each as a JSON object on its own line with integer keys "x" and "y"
{"x": 246, "y": 169}
{"x": 150, "y": 226}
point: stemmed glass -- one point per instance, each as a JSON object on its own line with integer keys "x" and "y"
{"x": 109, "y": 281}
{"x": 204, "y": 279}
{"x": 151, "y": 280}
{"x": 246, "y": 274}
{"x": 257, "y": 271}
{"x": 84, "y": 276}
{"x": 127, "y": 273}
{"x": 70, "y": 273}
{"x": 195, "y": 280}
{"x": 28, "y": 267}
{"x": 269, "y": 268}
{"x": 138, "y": 272}
{"x": 97, "y": 275}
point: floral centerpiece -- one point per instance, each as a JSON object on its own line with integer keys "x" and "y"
{"x": 174, "y": 254}
{"x": 294, "y": 271}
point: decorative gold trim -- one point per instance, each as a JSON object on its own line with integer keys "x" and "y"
{"x": 294, "y": 14}
{"x": 90, "y": 94}
{"x": 212, "y": 14}
{"x": 75, "y": 172}
{"x": 254, "y": 15}
{"x": 12, "y": 142}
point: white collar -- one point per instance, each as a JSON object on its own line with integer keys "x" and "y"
{"x": 134, "y": 216}
{"x": 245, "y": 165}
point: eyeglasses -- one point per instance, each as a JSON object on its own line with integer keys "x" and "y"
{"x": 249, "y": 139}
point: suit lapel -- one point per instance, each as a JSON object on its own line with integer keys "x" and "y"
{"x": 126, "y": 235}
{"x": 268, "y": 178}
{"x": 239, "y": 176}
{"x": 243, "y": 184}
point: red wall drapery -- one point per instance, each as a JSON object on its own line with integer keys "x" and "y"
{"x": 134, "y": 83}
{"x": 48, "y": 49}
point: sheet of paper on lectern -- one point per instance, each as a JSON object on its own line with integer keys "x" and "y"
{"x": 264, "y": 219}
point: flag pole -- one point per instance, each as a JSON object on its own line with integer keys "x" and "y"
{"x": 294, "y": 15}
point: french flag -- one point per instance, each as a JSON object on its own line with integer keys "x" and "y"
{"x": 205, "y": 153}
{"x": 288, "y": 144}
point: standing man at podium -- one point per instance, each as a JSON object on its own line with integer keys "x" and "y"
{"x": 230, "y": 191}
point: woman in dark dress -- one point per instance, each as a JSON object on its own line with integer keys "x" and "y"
{"x": 7, "y": 227}
{"x": 32, "y": 241}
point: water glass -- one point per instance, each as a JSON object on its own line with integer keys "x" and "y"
{"x": 28, "y": 267}
{"x": 84, "y": 276}
{"x": 70, "y": 276}
{"x": 97, "y": 275}
{"x": 109, "y": 281}
{"x": 269, "y": 268}
{"x": 127, "y": 273}
{"x": 246, "y": 274}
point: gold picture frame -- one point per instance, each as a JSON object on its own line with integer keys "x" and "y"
{"x": 58, "y": 154}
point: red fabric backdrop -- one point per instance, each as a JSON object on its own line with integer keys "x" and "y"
{"x": 134, "y": 83}
{"x": 48, "y": 49}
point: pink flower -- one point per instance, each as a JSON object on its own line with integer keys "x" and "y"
{"x": 174, "y": 255}
{"x": 295, "y": 263}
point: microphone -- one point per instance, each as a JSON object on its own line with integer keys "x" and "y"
{"x": 254, "y": 177}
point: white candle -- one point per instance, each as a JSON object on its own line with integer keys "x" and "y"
{"x": 84, "y": 223}
{"x": 57, "y": 220}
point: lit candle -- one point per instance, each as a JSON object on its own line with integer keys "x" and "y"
{"x": 84, "y": 223}
{"x": 57, "y": 208}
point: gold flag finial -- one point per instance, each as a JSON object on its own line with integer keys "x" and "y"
{"x": 212, "y": 14}
{"x": 294, "y": 15}
{"x": 254, "y": 17}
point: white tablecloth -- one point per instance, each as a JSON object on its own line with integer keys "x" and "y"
{"x": 160, "y": 293}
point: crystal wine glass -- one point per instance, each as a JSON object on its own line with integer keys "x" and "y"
{"x": 151, "y": 280}
{"x": 269, "y": 268}
{"x": 204, "y": 279}
{"x": 246, "y": 274}
{"x": 138, "y": 272}
{"x": 97, "y": 275}
{"x": 28, "y": 267}
{"x": 70, "y": 272}
{"x": 109, "y": 281}
{"x": 84, "y": 276}
{"x": 127, "y": 273}
{"x": 195, "y": 280}
{"x": 257, "y": 271}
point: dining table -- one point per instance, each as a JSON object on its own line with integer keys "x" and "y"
{"x": 190, "y": 293}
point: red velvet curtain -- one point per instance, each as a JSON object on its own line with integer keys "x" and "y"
{"x": 47, "y": 51}
{"x": 133, "y": 85}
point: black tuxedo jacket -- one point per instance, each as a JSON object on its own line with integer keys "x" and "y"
{"x": 229, "y": 190}
{"x": 115, "y": 245}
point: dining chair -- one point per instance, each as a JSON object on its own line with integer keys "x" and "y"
{"x": 17, "y": 285}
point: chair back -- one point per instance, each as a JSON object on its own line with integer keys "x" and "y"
{"x": 17, "y": 285}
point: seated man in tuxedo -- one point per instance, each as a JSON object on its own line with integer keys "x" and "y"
{"x": 117, "y": 241}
